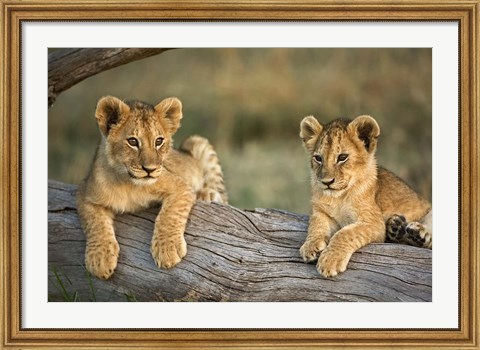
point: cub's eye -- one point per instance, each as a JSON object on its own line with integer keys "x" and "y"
{"x": 159, "y": 141}
{"x": 132, "y": 141}
{"x": 342, "y": 157}
{"x": 318, "y": 159}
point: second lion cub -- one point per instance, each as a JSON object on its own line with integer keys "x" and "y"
{"x": 354, "y": 201}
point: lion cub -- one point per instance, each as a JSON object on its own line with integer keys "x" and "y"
{"x": 354, "y": 201}
{"x": 134, "y": 167}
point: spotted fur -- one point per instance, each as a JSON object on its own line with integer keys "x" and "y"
{"x": 354, "y": 201}
{"x": 136, "y": 166}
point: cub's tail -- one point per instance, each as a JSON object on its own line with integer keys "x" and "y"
{"x": 214, "y": 185}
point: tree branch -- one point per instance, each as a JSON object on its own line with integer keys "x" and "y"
{"x": 68, "y": 67}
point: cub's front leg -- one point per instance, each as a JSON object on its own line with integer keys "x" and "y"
{"x": 334, "y": 259}
{"x": 101, "y": 253}
{"x": 320, "y": 228}
{"x": 168, "y": 243}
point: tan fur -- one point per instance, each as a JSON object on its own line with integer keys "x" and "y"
{"x": 352, "y": 197}
{"x": 127, "y": 177}
{"x": 213, "y": 187}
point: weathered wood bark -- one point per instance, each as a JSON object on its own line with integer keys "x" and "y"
{"x": 233, "y": 255}
{"x": 68, "y": 67}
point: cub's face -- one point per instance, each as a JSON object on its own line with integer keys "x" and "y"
{"x": 138, "y": 135}
{"x": 342, "y": 152}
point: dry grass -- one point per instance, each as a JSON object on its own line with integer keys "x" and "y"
{"x": 249, "y": 103}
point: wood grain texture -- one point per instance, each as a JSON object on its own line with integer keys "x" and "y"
{"x": 233, "y": 255}
{"x": 68, "y": 67}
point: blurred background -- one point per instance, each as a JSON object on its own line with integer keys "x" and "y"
{"x": 249, "y": 104}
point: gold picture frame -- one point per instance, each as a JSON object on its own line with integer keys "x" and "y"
{"x": 465, "y": 13}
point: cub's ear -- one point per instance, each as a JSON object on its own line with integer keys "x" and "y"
{"x": 310, "y": 129}
{"x": 367, "y": 130}
{"x": 170, "y": 109}
{"x": 109, "y": 112}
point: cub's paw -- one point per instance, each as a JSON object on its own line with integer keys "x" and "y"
{"x": 168, "y": 252}
{"x": 418, "y": 235}
{"x": 332, "y": 262}
{"x": 101, "y": 257}
{"x": 395, "y": 226}
{"x": 312, "y": 248}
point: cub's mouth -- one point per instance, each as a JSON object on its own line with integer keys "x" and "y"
{"x": 331, "y": 189}
{"x": 146, "y": 177}
{"x": 144, "y": 180}
{"x": 143, "y": 177}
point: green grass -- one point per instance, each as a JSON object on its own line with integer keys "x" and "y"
{"x": 65, "y": 291}
{"x": 88, "y": 276}
{"x": 130, "y": 297}
{"x": 60, "y": 282}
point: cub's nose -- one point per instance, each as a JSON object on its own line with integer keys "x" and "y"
{"x": 328, "y": 182}
{"x": 149, "y": 169}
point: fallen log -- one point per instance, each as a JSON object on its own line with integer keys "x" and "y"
{"x": 233, "y": 255}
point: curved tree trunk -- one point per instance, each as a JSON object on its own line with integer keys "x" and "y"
{"x": 67, "y": 67}
{"x": 233, "y": 255}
